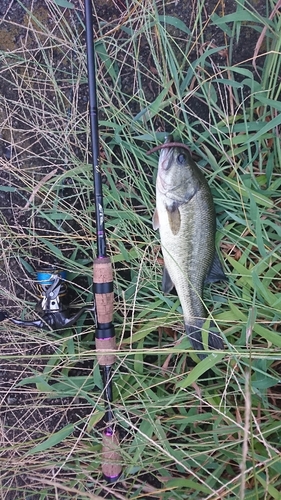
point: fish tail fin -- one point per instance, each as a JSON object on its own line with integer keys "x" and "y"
{"x": 194, "y": 333}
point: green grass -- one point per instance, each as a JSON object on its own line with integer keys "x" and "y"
{"x": 200, "y": 433}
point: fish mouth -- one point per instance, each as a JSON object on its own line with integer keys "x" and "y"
{"x": 162, "y": 184}
{"x": 167, "y": 150}
{"x": 165, "y": 189}
{"x": 166, "y": 157}
{"x": 165, "y": 162}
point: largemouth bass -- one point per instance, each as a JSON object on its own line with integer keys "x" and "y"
{"x": 185, "y": 217}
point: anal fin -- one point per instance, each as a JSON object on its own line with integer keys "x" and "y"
{"x": 167, "y": 284}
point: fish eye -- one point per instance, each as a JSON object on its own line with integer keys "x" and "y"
{"x": 181, "y": 159}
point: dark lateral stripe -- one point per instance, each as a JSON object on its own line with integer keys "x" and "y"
{"x": 101, "y": 288}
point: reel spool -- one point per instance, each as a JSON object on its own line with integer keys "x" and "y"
{"x": 52, "y": 287}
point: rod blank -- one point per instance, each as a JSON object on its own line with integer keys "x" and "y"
{"x": 93, "y": 111}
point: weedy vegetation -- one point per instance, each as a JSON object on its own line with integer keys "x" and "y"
{"x": 189, "y": 429}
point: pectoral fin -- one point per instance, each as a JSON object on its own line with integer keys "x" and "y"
{"x": 216, "y": 272}
{"x": 167, "y": 284}
{"x": 155, "y": 220}
{"x": 174, "y": 218}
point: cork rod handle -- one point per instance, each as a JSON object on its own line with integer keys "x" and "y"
{"x": 104, "y": 299}
{"x": 103, "y": 284}
{"x": 111, "y": 459}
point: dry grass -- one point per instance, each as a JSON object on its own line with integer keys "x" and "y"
{"x": 189, "y": 430}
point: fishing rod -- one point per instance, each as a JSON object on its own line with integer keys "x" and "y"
{"x": 102, "y": 275}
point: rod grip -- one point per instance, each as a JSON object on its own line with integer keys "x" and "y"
{"x": 111, "y": 458}
{"x": 104, "y": 300}
{"x": 102, "y": 347}
{"x": 103, "y": 289}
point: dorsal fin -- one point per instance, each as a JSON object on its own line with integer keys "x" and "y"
{"x": 216, "y": 272}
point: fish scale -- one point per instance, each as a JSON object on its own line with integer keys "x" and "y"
{"x": 185, "y": 217}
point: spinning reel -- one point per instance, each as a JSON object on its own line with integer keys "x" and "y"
{"x": 53, "y": 311}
